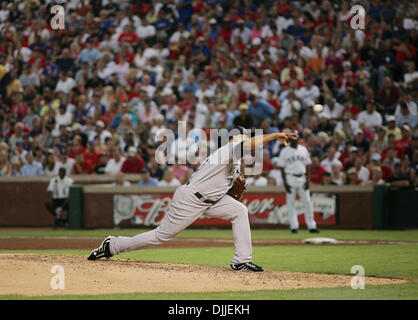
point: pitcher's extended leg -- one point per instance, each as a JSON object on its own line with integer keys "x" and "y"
{"x": 184, "y": 209}
{"x": 228, "y": 208}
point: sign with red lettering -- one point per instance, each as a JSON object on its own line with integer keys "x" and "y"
{"x": 263, "y": 209}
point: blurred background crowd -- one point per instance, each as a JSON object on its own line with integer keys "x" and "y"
{"x": 91, "y": 97}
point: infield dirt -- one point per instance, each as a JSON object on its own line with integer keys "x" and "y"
{"x": 30, "y": 275}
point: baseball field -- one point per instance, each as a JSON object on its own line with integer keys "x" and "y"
{"x": 195, "y": 266}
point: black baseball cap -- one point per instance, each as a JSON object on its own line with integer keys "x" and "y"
{"x": 239, "y": 129}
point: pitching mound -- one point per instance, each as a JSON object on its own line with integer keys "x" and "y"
{"x": 30, "y": 274}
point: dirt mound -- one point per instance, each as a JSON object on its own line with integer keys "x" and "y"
{"x": 30, "y": 274}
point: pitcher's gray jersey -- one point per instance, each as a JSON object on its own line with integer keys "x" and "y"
{"x": 217, "y": 173}
{"x": 212, "y": 180}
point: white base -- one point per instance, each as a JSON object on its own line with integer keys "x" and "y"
{"x": 319, "y": 241}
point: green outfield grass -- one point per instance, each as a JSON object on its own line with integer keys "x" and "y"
{"x": 407, "y": 235}
{"x": 388, "y": 260}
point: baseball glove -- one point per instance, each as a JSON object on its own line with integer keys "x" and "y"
{"x": 237, "y": 188}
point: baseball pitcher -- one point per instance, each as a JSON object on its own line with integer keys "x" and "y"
{"x": 213, "y": 190}
{"x": 294, "y": 162}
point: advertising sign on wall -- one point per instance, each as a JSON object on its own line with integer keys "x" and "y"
{"x": 263, "y": 209}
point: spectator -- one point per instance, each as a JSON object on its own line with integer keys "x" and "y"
{"x": 65, "y": 83}
{"x": 120, "y": 181}
{"x": 289, "y": 106}
{"x": 317, "y": 171}
{"x": 327, "y": 179}
{"x": 89, "y": 54}
{"x": 258, "y": 108}
{"x": 134, "y": 163}
{"x": 5, "y": 167}
{"x": 405, "y": 141}
{"x": 376, "y": 176}
{"x": 386, "y": 170}
{"x": 155, "y": 170}
{"x": 308, "y": 93}
{"x": 91, "y": 154}
{"x": 392, "y": 145}
{"x": 347, "y": 123}
{"x": 100, "y": 167}
{"x": 65, "y": 162}
{"x": 360, "y": 142}
{"x": 276, "y": 173}
{"x": 331, "y": 159}
{"x": 380, "y": 140}
{"x": 169, "y": 180}
{"x": 362, "y": 173}
{"x": 391, "y": 158}
{"x": 179, "y": 170}
{"x": 63, "y": 118}
{"x": 414, "y": 161}
{"x": 349, "y": 161}
{"x": 244, "y": 119}
{"x": 391, "y": 127}
{"x": 270, "y": 83}
{"x": 352, "y": 177}
{"x": 337, "y": 176}
{"x": 370, "y": 117}
{"x": 412, "y": 106}
{"x": 146, "y": 180}
{"x": 292, "y": 67}
{"x": 410, "y": 150}
{"x": 333, "y": 109}
{"x": 32, "y": 167}
{"x": 241, "y": 31}
{"x": 165, "y": 63}
{"x": 81, "y": 165}
{"x": 390, "y": 95}
{"x": 403, "y": 175}
{"x": 406, "y": 117}
{"x": 49, "y": 164}
{"x": 257, "y": 181}
{"x": 100, "y": 132}
{"x": 114, "y": 164}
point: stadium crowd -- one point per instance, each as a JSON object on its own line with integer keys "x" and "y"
{"x": 91, "y": 97}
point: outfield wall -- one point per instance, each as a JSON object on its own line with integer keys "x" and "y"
{"x": 22, "y": 198}
{"x": 354, "y": 206}
{"x": 22, "y": 202}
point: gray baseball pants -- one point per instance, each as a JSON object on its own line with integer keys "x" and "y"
{"x": 184, "y": 209}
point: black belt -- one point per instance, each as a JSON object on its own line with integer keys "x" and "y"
{"x": 197, "y": 194}
{"x": 296, "y": 175}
